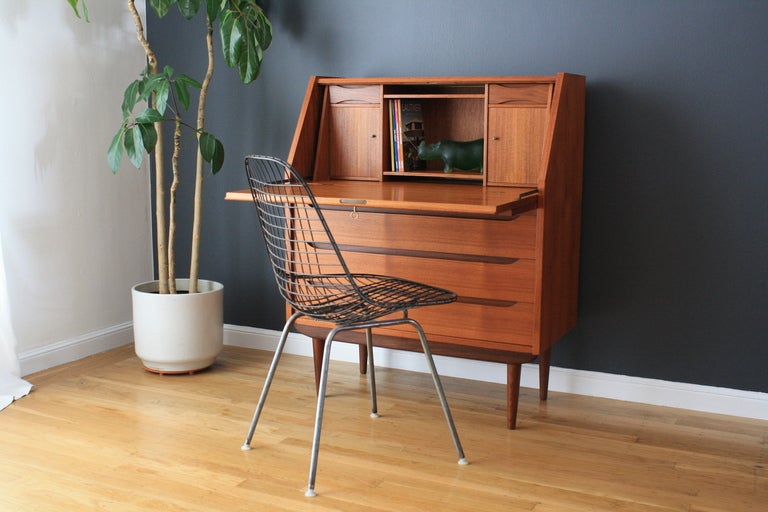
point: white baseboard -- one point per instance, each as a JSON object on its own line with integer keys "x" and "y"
{"x": 66, "y": 351}
{"x": 733, "y": 402}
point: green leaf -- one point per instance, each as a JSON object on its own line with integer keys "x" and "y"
{"x": 161, "y": 96}
{"x": 130, "y": 97}
{"x": 161, "y": 7}
{"x": 189, "y": 81}
{"x": 148, "y": 136}
{"x": 212, "y": 151}
{"x": 75, "y": 8}
{"x": 231, "y": 36}
{"x": 182, "y": 84}
{"x": 149, "y": 115}
{"x": 245, "y": 33}
{"x": 182, "y": 93}
{"x": 73, "y": 4}
{"x": 249, "y": 61}
{"x": 151, "y": 83}
{"x": 158, "y": 85}
{"x": 261, "y": 29}
{"x": 134, "y": 146}
{"x": 189, "y": 8}
{"x": 213, "y": 7}
{"x": 115, "y": 152}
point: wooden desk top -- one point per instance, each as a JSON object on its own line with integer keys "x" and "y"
{"x": 429, "y": 198}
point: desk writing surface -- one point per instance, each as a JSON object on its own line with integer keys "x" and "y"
{"x": 443, "y": 198}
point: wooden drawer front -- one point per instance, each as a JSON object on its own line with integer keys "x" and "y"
{"x": 354, "y": 94}
{"x": 520, "y": 94}
{"x": 475, "y": 324}
{"x": 483, "y": 283}
{"x": 505, "y": 239}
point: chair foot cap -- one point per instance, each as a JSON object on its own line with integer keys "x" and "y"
{"x": 310, "y": 493}
{"x": 245, "y": 447}
{"x": 463, "y": 462}
{"x": 374, "y": 415}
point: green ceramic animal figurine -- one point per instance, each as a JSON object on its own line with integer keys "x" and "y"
{"x": 455, "y": 154}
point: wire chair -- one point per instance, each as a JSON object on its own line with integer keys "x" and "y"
{"x": 314, "y": 279}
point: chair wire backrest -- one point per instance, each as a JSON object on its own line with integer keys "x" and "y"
{"x": 308, "y": 266}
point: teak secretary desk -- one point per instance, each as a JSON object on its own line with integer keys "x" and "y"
{"x": 505, "y": 240}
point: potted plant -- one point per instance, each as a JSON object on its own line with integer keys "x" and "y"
{"x": 191, "y": 342}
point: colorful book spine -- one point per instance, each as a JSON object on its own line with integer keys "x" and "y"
{"x": 406, "y": 122}
{"x": 393, "y": 136}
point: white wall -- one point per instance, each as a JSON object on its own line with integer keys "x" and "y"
{"x": 75, "y": 236}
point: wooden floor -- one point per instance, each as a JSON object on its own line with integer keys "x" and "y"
{"x": 102, "y": 434}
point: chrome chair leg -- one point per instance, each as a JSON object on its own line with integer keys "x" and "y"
{"x": 324, "y": 382}
{"x": 439, "y": 388}
{"x": 319, "y": 413}
{"x": 268, "y": 381}
{"x": 371, "y": 373}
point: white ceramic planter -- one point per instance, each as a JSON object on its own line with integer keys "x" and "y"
{"x": 178, "y": 333}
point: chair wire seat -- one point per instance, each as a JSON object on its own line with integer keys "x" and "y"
{"x": 357, "y": 298}
{"x": 314, "y": 279}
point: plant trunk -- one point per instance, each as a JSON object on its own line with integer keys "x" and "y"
{"x": 194, "y": 264}
{"x": 160, "y": 210}
{"x": 172, "y": 205}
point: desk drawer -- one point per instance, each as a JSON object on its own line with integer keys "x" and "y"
{"x": 514, "y": 238}
{"x": 474, "y": 324}
{"x": 520, "y": 94}
{"x": 473, "y": 281}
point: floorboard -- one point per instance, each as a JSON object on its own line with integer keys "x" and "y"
{"x": 103, "y": 434}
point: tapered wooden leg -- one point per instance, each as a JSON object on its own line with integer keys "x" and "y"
{"x": 544, "y": 373}
{"x": 318, "y": 346}
{"x": 363, "y": 359}
{"x": 513, "y": 394}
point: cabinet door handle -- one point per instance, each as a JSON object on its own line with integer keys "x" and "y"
{"x": 495, "y": 138}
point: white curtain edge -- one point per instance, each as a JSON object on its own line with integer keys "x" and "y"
{"x": 12, "y": 388}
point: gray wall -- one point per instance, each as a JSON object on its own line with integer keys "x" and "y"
{"x": 674, "y": 261}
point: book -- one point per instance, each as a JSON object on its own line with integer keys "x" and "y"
{"x": 411, "y": 134}
{"x": 407, "y": 123}
{"x": 393, "y": 138}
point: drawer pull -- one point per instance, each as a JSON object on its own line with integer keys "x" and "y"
{"x": 486, "y": 302}
{"x": 452, "y": 256}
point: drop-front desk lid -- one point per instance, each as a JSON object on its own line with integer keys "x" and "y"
{"x": 415, "y": 197}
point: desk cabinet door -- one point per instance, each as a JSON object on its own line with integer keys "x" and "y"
{"x": 515, "y": 144}
{"x": 355, "y": 143}
{"x": 517, "y": 126}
